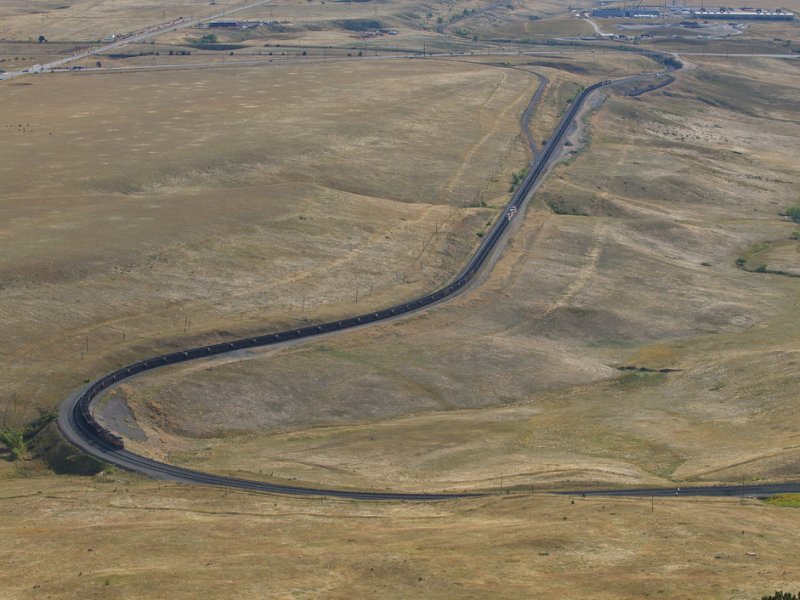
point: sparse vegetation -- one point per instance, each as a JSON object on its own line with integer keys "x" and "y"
{"x": 13, "y": 438}
{"x": 577, "y": 93}
{"x": 781, "y": 596}
{"x": 517, "y": 178}
{"x": 569, "y": 299}
{"x": 669, "y": 61}
{"x": 788, "y": 500}
{"x": 793, "y": 212}
{"x": 360, "y": 24}
{"x": 17, "y": 439}
{"x": 751, "y": 253}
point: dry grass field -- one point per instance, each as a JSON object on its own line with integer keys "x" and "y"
{"x": 159, "y": 213}
{"x": 525, "y": 28}
{"x": 130, "y": 539}
{"x": 635, "y": 268}
{"x": 616, "y": 340}
{"x": 92, "y": 20}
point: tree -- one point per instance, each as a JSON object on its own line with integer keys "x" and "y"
{"x": 782, "y": 596}
{"x": 42, "y": 39}
{"x": 209, "y": 38}
{"x": 98, "y": 64}
{"x": 793, "y": 213}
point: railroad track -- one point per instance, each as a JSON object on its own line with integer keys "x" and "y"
{"x": 80, "y": 428}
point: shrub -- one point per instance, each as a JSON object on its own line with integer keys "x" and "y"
{"x": 359, "y": 24}
{"x": 793, "y": 213}
{"x": 517, "y": 178}
{"x": 782, "y": 596}
{"x": 14, "y": 440}
{"x": 668, "y": 61}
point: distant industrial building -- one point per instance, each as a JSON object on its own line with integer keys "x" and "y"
{"x": 623, "y": 13}
{"x": 754, "y": 15}
{"x": 234, "y": 24}
{"x": 651, "y": 12}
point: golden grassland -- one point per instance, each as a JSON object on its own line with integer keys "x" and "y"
{"x": 93, "y": 20}
{"x": 169, "y": 209}
{"x": 172, "y": 212}
{"x": 635, "y": 268}
{"x": 134, "y": 539}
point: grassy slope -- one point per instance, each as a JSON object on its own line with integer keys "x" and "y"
{"x": 675, "y": 191}
{"x": 129, "y": 539}
{"x": 213, "y": 203}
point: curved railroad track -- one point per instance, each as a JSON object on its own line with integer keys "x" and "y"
{"x": 78, "y": 425}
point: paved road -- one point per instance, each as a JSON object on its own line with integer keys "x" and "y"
{"x": 147, "y": 34}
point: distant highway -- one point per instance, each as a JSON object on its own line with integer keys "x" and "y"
{"x": 151, "y": 32}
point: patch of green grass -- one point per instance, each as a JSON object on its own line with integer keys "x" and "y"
{"x": 793, "y": 212}
{"x": 517, "y": 178}
{"x": 751, "y": 253}
{"x": 640, "y": 379}
{"x": 789, "y": 500}
{"x": 17, "y": 439}
{"x": 198, "y": 45}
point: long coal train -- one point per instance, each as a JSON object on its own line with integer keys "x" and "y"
{"x": 109, "y": 441}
